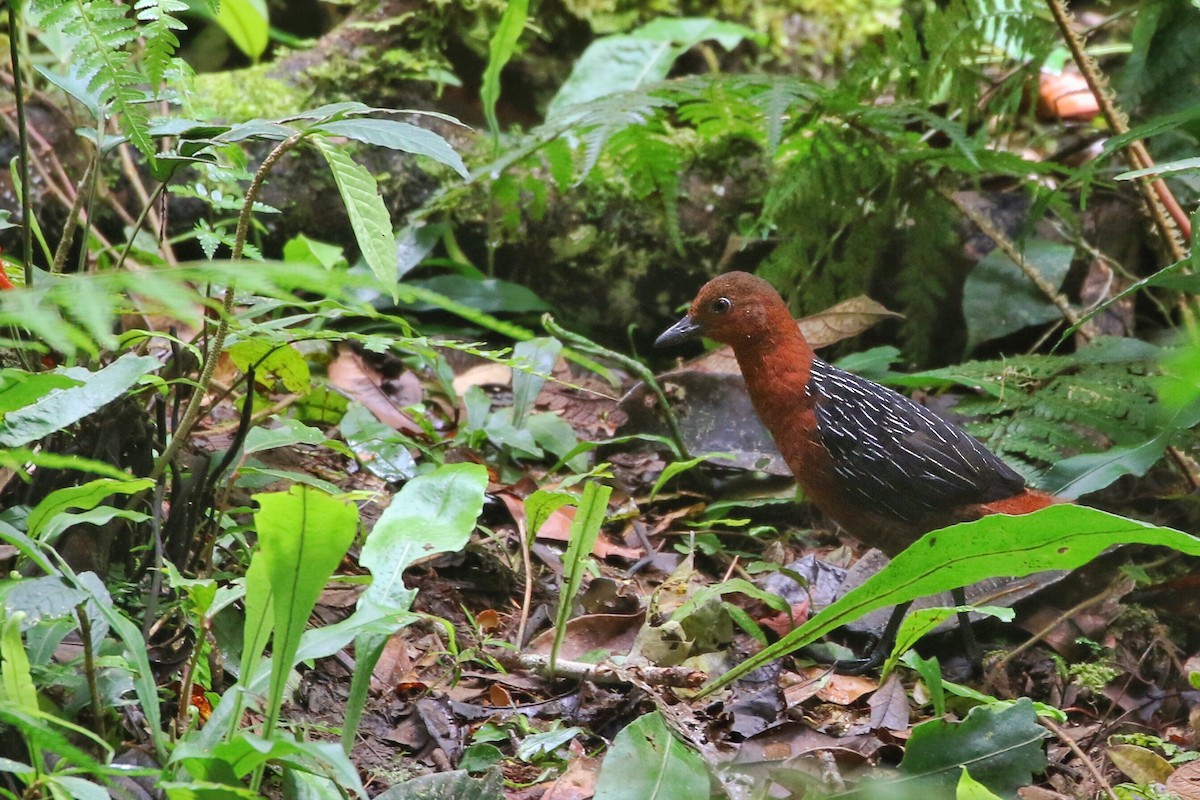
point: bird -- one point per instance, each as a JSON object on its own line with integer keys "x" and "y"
{"x": 884, "y": 468}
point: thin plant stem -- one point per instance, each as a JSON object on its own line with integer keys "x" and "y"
{"x": 23, "y": 142}
{"x": 68, "y": 234}
{"x": 631, "y": 364}
{"x": 192, "y": 413}
{"x": 137, "y": 225}
{"x": 89, "y": 668}
{"x": 1169, "y": 218}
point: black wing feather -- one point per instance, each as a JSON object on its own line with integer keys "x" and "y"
{"x": 899, "y": 457}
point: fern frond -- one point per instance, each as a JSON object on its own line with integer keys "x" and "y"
{"x": 158, "y": 33}
{"x": 99, "y": 33}
{"x": 1038, "y": 410}
{"x": 599, "y": 120}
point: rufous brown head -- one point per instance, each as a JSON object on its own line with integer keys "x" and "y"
{"x": 732, "y": 308}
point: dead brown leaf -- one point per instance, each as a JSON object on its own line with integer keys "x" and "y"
{"x": 591, "y": 632}
{"x": 889, "y": 706}
{"x": 1185, "y": 781}
{"x": 383, "y": 397}
{"x": 840, "y": 689}
{"x": 578, "y": 782}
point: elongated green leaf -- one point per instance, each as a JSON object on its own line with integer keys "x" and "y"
{"x": 259, "y": 619}
{"x": 63, "y": 407}
{"x": 246, "y": 752}
{"x": 137, "y": 653}
{"x": 585, "y": 529}
{"x": 20, "y": 458}
{"x": 1058, "y": 537}
{"x": 500, "y": 49}
{"x": 1182, "y": 165}
{"x": 625, "y": 62}
{"x": 403, "y": 136}
{"x": 918, "y": 623}
{"x": 539, "y": 355}
{"x": 647, "y": 762}
{"x": 16, "y": 680}
{"x": 540, "y": 505}
{"x": 369, "y": 217}
{"x": 303, "y": 535}
{"x": 80, "y": 498}
{"x": 245, "y": 21}
{"x": 19, "y": 388}
{"x": 433, "y": 513}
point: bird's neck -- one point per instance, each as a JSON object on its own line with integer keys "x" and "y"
{"x": 777, "y": 368}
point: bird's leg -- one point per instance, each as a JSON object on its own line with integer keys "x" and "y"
{"x": 883, "y": 646}
{"x": 971, "y": 648}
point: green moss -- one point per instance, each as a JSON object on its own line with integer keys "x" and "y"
{"x": 251, "y": 93}
{"x": 1094, "y": 676}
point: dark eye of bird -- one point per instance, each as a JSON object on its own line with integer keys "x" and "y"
{"x": 722, "y": 305}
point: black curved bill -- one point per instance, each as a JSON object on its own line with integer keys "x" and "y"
{"x": 681, "y": 331}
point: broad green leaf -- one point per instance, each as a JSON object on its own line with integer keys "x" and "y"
{"x": 630, "y": 61}
{"x": 970, "y": 789}
{"x": 1001, "y": 748}
{"x": 647, "y": 762}
{"x": 500, "y": 49}
{"x": 369, "y": 218}
{"x": 303, "y": 535}
{"x": 289, "y": 432}
{"x": 77, "y": 788}
{"x": 1059, "y": 537}
{"x": 80, "y": 498}
{"x": 1089, "y": 472}
{"x": 540, "y": 505}
{"x": 273, "y": 358}
{"x": 555, "y": 435}
{"x": 433, "y": 513}
{"x": 245, "y": 21}
{"x": 585, "y": 529}
{"x": 63, "y": 407}
{"x": 19, "y": 388}
{"x": 311, "y": 251}
{"x": 922, "y": 621}
{"x": 403, "y": 136}
{"x": 79, "y": 87}
{"x": 456, "y": 785}
{"x": 537, "y": 357}
{"x": 998, "y": 299}
{"x": 206, "y": 790}
{"x": 246, "y": 752}
{"x": 377, "y": 445}
{"x": 486, "y": 294}
{"x": 542, "y": 744}
{"x": 43, "y": 598}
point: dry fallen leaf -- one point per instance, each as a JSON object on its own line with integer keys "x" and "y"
{"x": 1185, "y": 781}
{"x": 383, "y": 397}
